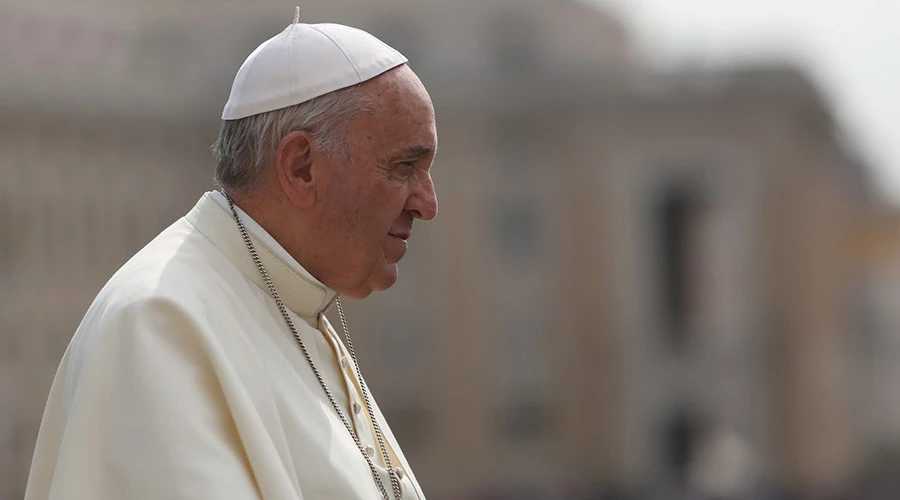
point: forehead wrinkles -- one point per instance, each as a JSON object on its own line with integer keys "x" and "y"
{"x": 400, "y": 87}
{"x": 401, "y": 111}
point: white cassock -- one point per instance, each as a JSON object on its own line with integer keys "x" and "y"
{"x": 183, "y": 381}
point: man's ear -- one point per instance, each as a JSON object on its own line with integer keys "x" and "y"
{"x": 295, "y": 170}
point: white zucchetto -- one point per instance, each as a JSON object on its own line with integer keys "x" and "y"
{"x": 303, "y": 62}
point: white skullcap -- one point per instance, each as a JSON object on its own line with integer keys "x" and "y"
{"x": 303, "y": 62}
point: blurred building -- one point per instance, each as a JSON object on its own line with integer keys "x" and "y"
{"x": 877, "y": 247}
{"x": 638, "y": 283}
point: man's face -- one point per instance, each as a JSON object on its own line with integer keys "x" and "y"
{"x": 371, "y": 200}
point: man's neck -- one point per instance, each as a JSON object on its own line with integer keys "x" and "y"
{"x": 268, "y": 229}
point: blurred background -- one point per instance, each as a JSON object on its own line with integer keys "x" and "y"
{"x": 667, "y": 263}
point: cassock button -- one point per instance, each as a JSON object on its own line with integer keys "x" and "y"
{"x": 345, "y": 362}
{"x": 400, "y": 473}
{"x": 370, "y": 451}
{"x": 356, "y": 407}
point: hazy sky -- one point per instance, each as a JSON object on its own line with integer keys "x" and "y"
{"x": 850, "y": 47}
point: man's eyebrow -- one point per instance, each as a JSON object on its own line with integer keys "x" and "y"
{"x": 415, "y": 151}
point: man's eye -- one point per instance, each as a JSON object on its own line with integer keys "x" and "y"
{"x": 407, "y": 167}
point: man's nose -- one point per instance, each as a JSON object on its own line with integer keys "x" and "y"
{"x": 423, "y": 200}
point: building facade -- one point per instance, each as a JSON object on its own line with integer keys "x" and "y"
{"x": 638, "y": 282}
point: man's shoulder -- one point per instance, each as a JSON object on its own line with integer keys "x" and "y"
{"x": 180, "y": 265}
{"x": 177, "y": 282}
{"x": 179, "y": 291}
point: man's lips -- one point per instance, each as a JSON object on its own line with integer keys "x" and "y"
{"x": 404, "y": 235}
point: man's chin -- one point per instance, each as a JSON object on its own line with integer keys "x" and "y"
{"x": 382, "y": 280}
{"x": 387, "y": 277}
{"x": 358, "y": 294}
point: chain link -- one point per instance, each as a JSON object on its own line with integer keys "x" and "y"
{"x": 395, "y": 483}
{"x": 395, "y": 479}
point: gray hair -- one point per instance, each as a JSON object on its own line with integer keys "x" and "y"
{"x": 245, "y": 145}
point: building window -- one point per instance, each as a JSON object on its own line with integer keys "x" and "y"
{"x": 515, "y": 138}
{"x": 401, "y": 340}
{"x": 525, "y": 355}
{"x": 48, "y": 213}
{"x": 680, "y": 436}
{"x": 412, "y": 425}
{"x": 402, "y": 348}
{"x": 7, "y": 252}
{"x": 515, "y": 224}
{"x": 525, "y": 421}
{"x": 513, "y": 42}
{"x": 677, "y": 215}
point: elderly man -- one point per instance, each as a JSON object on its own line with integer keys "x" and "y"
{"x": 205, "y": 368}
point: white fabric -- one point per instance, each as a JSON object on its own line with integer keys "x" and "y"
{"x": 306, "y": 61}
{"x": 269, "y": 242}
{"x": 183, "y": 382}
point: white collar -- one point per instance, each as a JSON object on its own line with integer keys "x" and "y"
{"x": 259, "y": 233}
